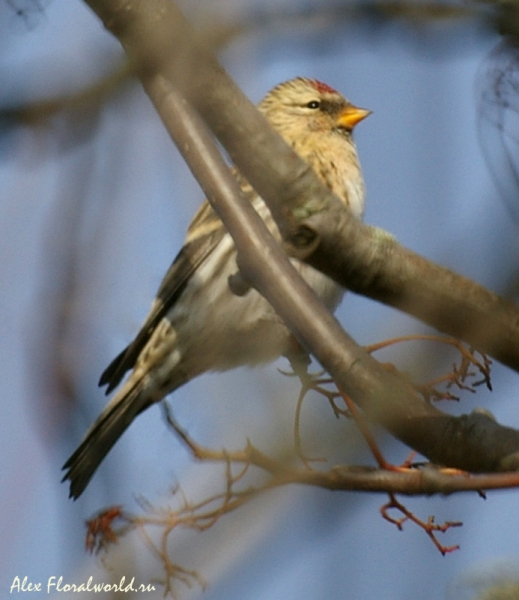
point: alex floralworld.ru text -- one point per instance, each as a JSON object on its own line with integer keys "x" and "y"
{"x": 55, "y": 584}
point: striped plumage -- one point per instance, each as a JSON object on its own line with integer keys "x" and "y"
{"x": 196, "y": 324}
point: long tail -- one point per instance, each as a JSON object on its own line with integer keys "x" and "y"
{"x": 103, "y": 434}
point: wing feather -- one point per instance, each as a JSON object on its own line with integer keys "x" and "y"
{"x": 205, "y": 233}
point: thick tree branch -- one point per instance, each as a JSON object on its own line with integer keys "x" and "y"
{"x": 158, "y": 40}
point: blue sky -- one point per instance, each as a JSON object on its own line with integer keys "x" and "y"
{"x": 94, "y": 212}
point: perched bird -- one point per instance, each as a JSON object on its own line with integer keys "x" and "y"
{"x": 196, "y": 323}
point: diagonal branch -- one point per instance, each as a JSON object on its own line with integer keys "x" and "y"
{"x": 161, "y": 43}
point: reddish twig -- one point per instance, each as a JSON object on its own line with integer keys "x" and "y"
{"x": 100, "y": 529}
{"x": 429, "y": 526}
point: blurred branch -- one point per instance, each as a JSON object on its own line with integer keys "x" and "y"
{"x": 498, "y": 107}
{"x": 89, "y": 99}
{"x": 220, "y": 27}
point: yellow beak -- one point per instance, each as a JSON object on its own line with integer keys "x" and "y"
{"x": 352, "y": 115}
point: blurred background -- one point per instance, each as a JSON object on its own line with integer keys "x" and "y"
{"x": 94, "y": 203}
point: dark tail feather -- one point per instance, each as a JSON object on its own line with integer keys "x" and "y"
{"x": 115, "y": 371}
{"x": 103, "y": 434}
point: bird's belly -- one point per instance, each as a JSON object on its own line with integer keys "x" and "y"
{"x": 225, "y": 330}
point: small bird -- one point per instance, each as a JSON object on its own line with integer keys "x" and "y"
{"x": 196, "y": 322}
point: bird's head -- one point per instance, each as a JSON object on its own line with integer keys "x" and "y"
{"x": 300, "y": 106}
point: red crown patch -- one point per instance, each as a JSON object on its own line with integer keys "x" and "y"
{"x": 323, "y": 87}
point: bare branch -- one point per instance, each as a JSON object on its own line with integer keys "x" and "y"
{"x": 408, "y": 479}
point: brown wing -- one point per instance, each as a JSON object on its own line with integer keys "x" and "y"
{"x": 201, "y": 241}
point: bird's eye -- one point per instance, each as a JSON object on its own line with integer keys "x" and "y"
{"x": 313, "y": 104}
